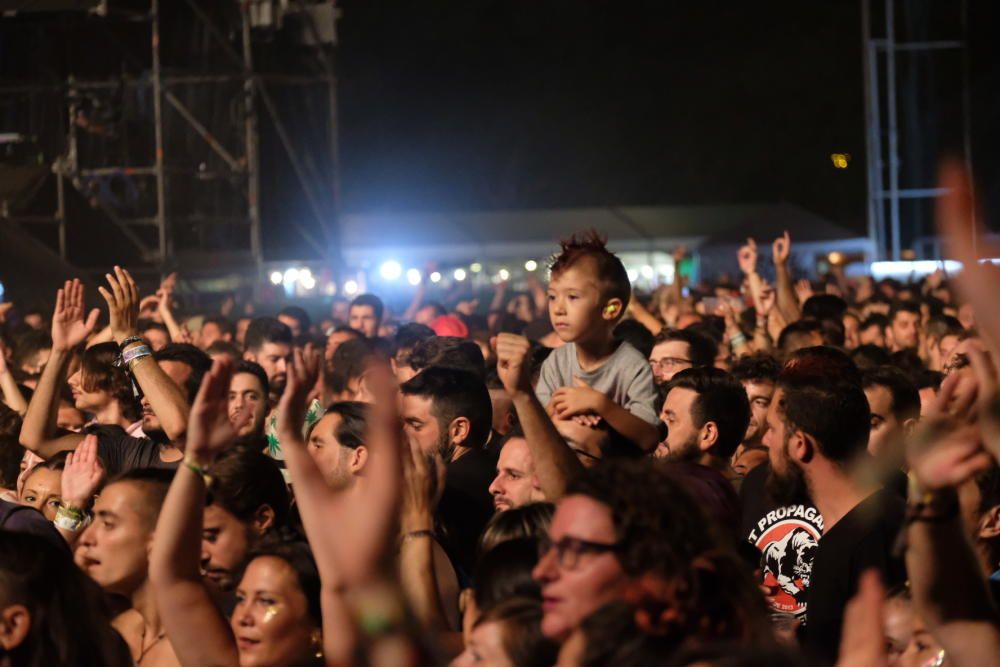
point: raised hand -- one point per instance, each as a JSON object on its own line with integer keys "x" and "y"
{"x": 210, "y": 431}
{"x": 679, "y": 253}
{"x": 69, "y": 328}
{"x": 423, "y": 484}
{"x": 123, "y": 304}
{"x": 803, "y": 290}
{"x": 513, "y": 363}
{"x": 302, "y": 373}
{"x": 747, "y": 257}
{"x": 781, "y": 249}
{"x": 83, "y": 474}
{"x": 987, "y": 400}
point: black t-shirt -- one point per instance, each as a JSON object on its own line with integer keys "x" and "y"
{"x": 786, "y": 537}
{"x": 22, "y": 519}
{"x": 864, "y": 539}
{"x": 121, "y": 452}
{"x": 466, "y": 506}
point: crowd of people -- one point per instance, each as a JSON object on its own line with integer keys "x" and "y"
{"x": 749, "y": 471}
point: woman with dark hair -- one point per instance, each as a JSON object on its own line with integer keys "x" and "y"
{"x": 42, "y": 486}
{"x": 531, "y": 520}
{"x": 52, "y": 615}
{"x": 509, "y": 635}
{"x": 104, "y": 390}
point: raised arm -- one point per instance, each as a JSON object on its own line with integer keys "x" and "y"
{"x": 165, "y": 398}
{"x": 8, "y": 385}
{"x": 555, "y": 462}
{"x": 788, "y": 302}
{"x": 81, "y": 476}
{"x": 642, "y": 315}
{"x": 197, "y": 629}
{"x": 69, "y": 329}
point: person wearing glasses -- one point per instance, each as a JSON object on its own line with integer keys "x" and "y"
{"x": 677, "y": 349}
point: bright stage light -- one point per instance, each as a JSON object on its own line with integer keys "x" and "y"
{"x": 413, "y": 277}
{"x": 647, "y": 272}
{"x": 351, "y": 287}
{"x": 459, "y": 274}
{"x": 390, "y": 270}
{"x": 307, "y": 281}
{"x": 475, "y": 267}
{"x": 633, "y": 275}
{"x": 530, "y": 265}
{"x": 276, "y": 277}
{"x": 435, "y": 277}
{"x": 504, "y": 274}
{"x": 291, "y": 275}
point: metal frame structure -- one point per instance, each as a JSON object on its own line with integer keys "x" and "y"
{"x": 883, "y": 161}
{"x": 242, "y": 163}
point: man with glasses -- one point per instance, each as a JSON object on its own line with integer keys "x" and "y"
{"x": 677, "y": 349}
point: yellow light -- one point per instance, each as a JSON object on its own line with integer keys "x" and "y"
{"x": 840, "y": 160}
{"x": 835, "y": 258}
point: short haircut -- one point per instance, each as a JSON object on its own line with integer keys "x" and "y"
{"x": 244, "y": 480}
{"x": 448, "y": 352}
{"x": 760, "y": 367}
{"x": 819, "y": 363}
{"x": 225, "y": 325}
{"x": 154, "y": 482}
{"x": 256, "y": 370}
{"x": 266, "y": 330}
{"x": 903, "y": 307}
{"x": 701, "y": 348}
{"x": 350, "y": 361}
{"x": 869, "y": 356}
{"x": 352, "y": 431}
{"x": 824, "y": 307}
{"x": 795, "y": 332}
{"x": 720, "y": 399}
{"x": 455, "y": 393}
{"x": 29, "y": 343}
{"x": 98, "y": 372}
{"x": 408, "y": 335}
{"x": 942, "y": 326}
{"x": 819, "y": 399}
{"x": 905, "y": 395}
{"x": 189, "y": 355}
{"x": 369, "y": 300}
{"x": 225, "y": 348}
{"x": 636, "y": 334}
{"x": 299, "y": 315}
{"x": 928, "y": 379}
{"x": 875, "y": 320}
{"x": 153, "y": 325}
{"x": 612, "y": 278}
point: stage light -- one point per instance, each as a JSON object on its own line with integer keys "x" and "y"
{"x": 351, "y": 287}
{"x": 475, "y": 267}
{"x": 307, "y": 281}
{"x": 413, "y": 277}
{"x": 291, "y": 275}
{"x": 276, "y": 277}
{"x": 647, "y": 272}
{"x": 435, "y": 276}
{"x": 459, "y": 274}
{"x": 840, "y": 160}
{"x": 390, "y": 270}
{"x": 633, "y": 275}
{"x": 504, "y": 274}
{"x": 306, "y": 275}
{"x": 530, "y": 265}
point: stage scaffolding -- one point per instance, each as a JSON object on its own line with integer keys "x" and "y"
{"x": 156, "y": 183}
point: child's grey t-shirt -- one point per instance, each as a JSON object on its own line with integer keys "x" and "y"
{"x": 625, "y": 378}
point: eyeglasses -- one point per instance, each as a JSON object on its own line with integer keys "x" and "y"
{"x": 668, "y": 362}
{"x": 569, "y": 549}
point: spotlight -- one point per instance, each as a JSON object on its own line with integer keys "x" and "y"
{"x": 351, "y": 287}
{"x": 307, "y": 281}
{"x": 435, "y": 277}
{"x": 633, "y": 275}
{"x": 647, "y": 272}
{"x": 291, "y": 275}
{"x": 413, "y": 277}
{"x": 475, "y": 267}
{"x": 530, "y": 265}
{"x": 276, "y": 277}
{"x": 504, "y": 274}
{"x": 391, "y": 270}
{"x": 459, "y": 274}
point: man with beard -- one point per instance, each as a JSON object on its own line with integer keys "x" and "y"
{"x": 817, "y": 434}
{"x": 447, "y": 413}
{"x": 706, "y": 412}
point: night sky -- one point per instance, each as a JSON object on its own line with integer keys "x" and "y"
{"x": 520, "y": 104}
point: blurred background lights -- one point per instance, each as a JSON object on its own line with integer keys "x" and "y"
{"x": 633, "y": 275}
{"x": 351, "y": 287}
{"x": 504, "y": 274}
{"x": 475, "y": 267}
{"x": 390, "y": 270}
{"x": 459, "y": 274}
{"x": 413, "y": 277}
{"x": 291, "y": 275}
{"x": 307, "y": 281}
{"x": 435, "y": 277}
{"x": 647, "y": 272}
{"x": 530, "y": 265}
{"x": 840, "y": 160}
{"x": 276, "y": 277}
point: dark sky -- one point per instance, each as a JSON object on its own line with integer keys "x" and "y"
{"x": 521, "y": 103}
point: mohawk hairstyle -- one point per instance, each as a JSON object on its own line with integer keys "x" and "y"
{"x": 611, "y": 275}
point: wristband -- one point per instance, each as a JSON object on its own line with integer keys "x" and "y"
{"x": 414, "y": 534}
{"x": 133, "y": 354}
{"x": 737, "y": 340}
{"x": 198, "y": 469}
{"x": 70, "y": 519}
{"x": 129, "y": 341}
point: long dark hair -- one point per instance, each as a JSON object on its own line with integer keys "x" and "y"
{"x": 69, "y": 624}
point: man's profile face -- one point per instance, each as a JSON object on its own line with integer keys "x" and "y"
{"x": 886, "y": 429}
{"x": 421, "y": 427}
{"x": 291, "y": 323}
{"x": 332, "y": 458}
{"x": 113, "y": 550}
{"x": 225, "y": 543}
{"x": 273, "y": 358}
{"x": 786, "y": 481}
{"x": 515, "y": 484}
{"x": 682, "y": 442}
{"x": 362, "y": 317}
{"x": 669, "y": 358}
{"x": 246, "y": 396}
{"x": 759, "y": 394}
